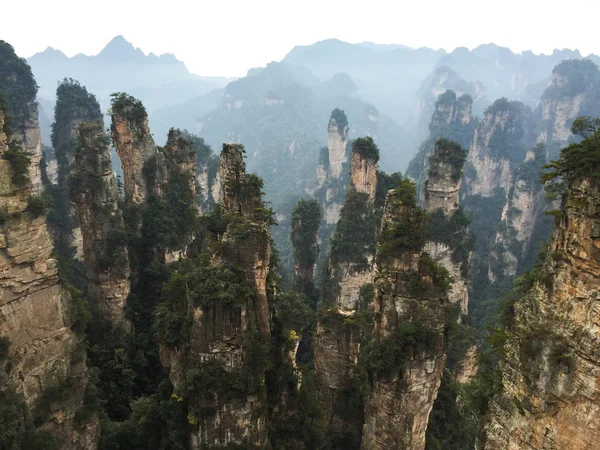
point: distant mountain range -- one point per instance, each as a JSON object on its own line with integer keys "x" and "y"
{"x": 399, "y": 83}
{"x": 159, "y": 81}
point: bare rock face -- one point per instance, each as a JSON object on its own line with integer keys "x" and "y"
{"x": 182, "y": 153}
{"x": 95, "y": 196}
{"x": 134, "y": 144}
{"x": 337, "y": 142}
{"x": 502, "y": 140}
{"x": 550, "y": 394}
{"x": 442, "y": 201}
{"x": 451, "y": 108}
{"x": 332, "y": 168}
{"x": 363, "y": 174}
{"x": 36, "y": 313}
{"x": 575, "y": 83}
{"x": 520, "y": 216}
{"x": 401, "y": 392}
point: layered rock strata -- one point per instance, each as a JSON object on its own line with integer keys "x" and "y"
{"x": 550, "y": 396}
{"x": 37, "y": 314}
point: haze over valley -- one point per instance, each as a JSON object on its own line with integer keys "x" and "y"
{"x": 348, "y": 246}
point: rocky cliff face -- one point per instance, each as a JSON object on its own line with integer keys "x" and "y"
{"x": 549, "y": 396}
{"x": 37, "y": 315}
{"x": 449, "y": 247}
{"x": 574, "y": 92}
{"x": 93, "y": 191}
{"x": 134, "y": 143}
{"x": 225, "y": 334}
{"x": 501, "y": 141}
{"x": 407, "y": 357}
{"x": 522, "y": 212}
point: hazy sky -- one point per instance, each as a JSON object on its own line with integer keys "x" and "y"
{"x": 227, "y": 37}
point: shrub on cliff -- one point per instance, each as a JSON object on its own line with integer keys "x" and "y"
{"x": 579, "y": 159}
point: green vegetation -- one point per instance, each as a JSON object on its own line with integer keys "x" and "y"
{"x": 306, "y": 218}
{"x": 169, "y": 220}
{"x": 578, "y": 160}
{"x": 73, "y": 103}
{"x": 577, "y": 75}
{"x": 453, "y": 230}
{"x": 128, "y": 107}
{"x": 4, "y": 347}
{"x": 340, "y": 119}
{"x": 19, "y": 163}
{"x": 387, "y": 357}
{"x": 365, "y": 146}
{"x": 293, "y": 311}
{"x": 510, "y": 141}
{"x": 447, "y": 152}
{"x": 355, "y": 234}
{"x": 406, "y": 228}
{"x": 17, "y": 429}
{"x": 39, "y": 204}
{"x": 18, "y": 85}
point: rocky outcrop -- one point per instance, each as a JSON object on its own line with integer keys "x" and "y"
{"x": 449, "y": 246}
{"x": 337, "y": 142}
{"x": 501, "y": 142}
{"x": 451, "y": 119}
{"x": 347, "y": 294}
{"x": 443, "y": 80}
{"x": 181, "y": 152}
{"x": 225, "y": 334}
{"x": 37, "y": 314}
{"x": 410, "y": 316}
{"x": 332, "y": 171}
{"x": 134, "y": 144}
{"x": 93, "y": 191}
{"x": 550, "y": 396}
{"x": 573, "y": 92}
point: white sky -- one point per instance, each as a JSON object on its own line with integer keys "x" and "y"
{"x": 227, "y": 37}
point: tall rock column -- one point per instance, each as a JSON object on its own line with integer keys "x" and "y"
{"x": 343, "y": 322}
{"x": 134, "y": 144}
{"x": 451, "y": 119}
{"x": 37, "y": 315}
{"x": 74, "y": 105}
{"x": 93, "y": 190}
{"x": 550, "y": 396}
{"x": 217, "y": 359}
{"x": 407, "y": 355}
{"x": 451, "y": 242}
{"x": 332, "y": 172}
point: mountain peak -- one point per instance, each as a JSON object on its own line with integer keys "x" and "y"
{"x": 119, "y": 49}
